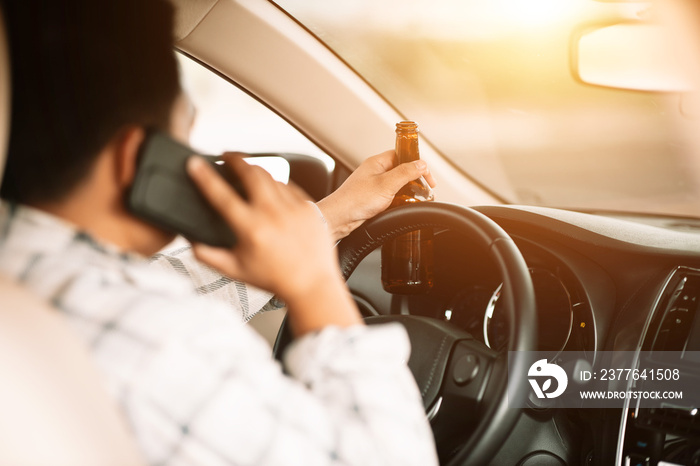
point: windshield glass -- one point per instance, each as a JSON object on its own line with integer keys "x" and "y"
{"x": 490, "y": 84}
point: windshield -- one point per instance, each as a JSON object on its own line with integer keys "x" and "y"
{"x": 490, "y": 84}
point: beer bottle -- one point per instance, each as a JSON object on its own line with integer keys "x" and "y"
{"x": 407, "y": 261}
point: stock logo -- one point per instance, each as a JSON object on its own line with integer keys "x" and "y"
{"x": 543, "y": 372}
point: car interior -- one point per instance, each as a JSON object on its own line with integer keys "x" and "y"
{"x": 520, "y": 274}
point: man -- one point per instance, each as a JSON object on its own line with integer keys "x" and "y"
{"x": 195, "y": 384}
{"x": 368, "y": 191}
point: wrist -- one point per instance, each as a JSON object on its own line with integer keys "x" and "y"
{"x": 300, "y": 292}
{"x": 319, "y": 212}
{"x": 336, "y": 217}
{"x": 325, "y": 303}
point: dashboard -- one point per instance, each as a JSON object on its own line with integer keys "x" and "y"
{"x": 467, "y": 291}
{"x": 564, "y": 319}
{"x": 601, "y": 285}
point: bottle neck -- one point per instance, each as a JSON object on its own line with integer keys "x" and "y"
{"x": 407, "y": 148}
{"x": 407, "y": 141}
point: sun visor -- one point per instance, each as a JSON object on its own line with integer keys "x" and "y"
{"x": 189, "y": 13}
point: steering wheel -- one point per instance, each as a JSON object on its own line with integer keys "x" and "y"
{"x": 466, "y": 388}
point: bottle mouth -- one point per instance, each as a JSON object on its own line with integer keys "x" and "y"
{"x": 406, "y": 125}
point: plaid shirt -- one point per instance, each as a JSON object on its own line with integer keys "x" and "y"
{"x": 245, "y": 300}
{"x": 196, "y": 385}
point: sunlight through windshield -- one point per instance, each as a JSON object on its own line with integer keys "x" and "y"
{"x": 491, "y": 85}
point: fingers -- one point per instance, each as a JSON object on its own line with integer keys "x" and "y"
{"x": 216, "y": 190}
{"x": 428, "y": 176}
{"x": 386, "y": 160}
{"x": 257, "y": 183}
{"x": 396, "y": 178}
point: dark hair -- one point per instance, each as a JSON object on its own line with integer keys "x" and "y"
{"x": 81, "y": 71}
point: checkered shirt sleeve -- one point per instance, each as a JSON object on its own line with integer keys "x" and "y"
{"x": 198, "y": 386}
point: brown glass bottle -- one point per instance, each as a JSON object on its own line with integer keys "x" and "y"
{"x": 407, "y": 261}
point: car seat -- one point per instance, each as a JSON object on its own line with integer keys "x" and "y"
{"x": 54, "y": 409}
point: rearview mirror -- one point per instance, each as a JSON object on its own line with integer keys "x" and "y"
{"x": 635, "y": 55}
{"x": 275, "y": 165}
{"x": 310, "y": 173}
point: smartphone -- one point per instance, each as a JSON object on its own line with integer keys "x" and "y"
{"x": 164, "y": 194}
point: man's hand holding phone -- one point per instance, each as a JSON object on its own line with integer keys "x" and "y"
{"x": 282, "y": 244}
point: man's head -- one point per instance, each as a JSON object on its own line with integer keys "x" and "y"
{"x": 88, "y": 78}
{"x": 82, "y": 71}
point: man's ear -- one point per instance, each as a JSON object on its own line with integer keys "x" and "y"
{"x": 127, "y": 148}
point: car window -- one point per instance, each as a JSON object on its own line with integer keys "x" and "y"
{"x": 491, "y": 85}
{"x": 228, "y": 119}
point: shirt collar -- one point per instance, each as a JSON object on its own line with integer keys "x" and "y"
{"x": 48, "y": 233}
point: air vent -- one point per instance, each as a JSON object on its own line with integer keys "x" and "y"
{"x": 679, "y": 315}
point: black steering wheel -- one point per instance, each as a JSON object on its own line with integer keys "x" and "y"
{"x": 466, "y": 388}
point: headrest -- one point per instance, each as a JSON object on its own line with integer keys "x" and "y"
{"x": 4, "y": 93}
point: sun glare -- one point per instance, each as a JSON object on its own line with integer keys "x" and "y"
{"x": 533, "y": 14}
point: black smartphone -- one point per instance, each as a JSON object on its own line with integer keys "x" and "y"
{"x": 164, "y": 194}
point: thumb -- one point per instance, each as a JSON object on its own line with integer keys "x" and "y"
{"x": 396, "y": 178}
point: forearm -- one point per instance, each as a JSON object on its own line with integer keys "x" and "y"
{"x": 326, "y": 303}
{"x": 350, "y": 399}
{"x": 374, "y": 409}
